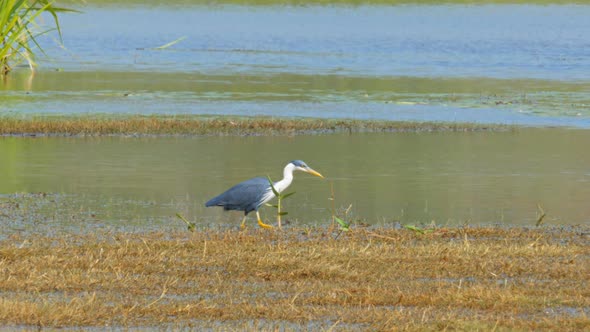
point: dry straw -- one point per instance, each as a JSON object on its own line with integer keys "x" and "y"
{"x": 375, "y": 279}
{"x": 196, "y": 125}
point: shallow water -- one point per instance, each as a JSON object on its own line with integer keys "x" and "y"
{"x": 410, "y": 178}
{"x": 542, "y": 42}
{"x": 510, "y": 64}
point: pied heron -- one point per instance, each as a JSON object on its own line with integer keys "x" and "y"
{"x": 249, "y": 195}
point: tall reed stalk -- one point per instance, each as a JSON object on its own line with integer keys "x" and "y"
{"x": 19, "y": 30}
{"x": 280, "y": 198}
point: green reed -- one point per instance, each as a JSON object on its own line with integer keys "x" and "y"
{"x": 280, "y": 198}
{"x": 19, "y": 30}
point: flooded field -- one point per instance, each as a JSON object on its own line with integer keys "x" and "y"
{"x": 510, "y": 64}
{"x": 492, "y": 64}
{"x": 140, "y": 184}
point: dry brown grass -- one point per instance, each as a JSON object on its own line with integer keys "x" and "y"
{"x": 198, "y": 125}
{"x": 380, "y": 279}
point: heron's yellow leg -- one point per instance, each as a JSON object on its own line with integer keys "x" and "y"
{"x": 261, "y": 224}
{"x": 243, "y": 224}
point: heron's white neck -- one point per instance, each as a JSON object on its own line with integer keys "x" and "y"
{"x": 287, "y": 178}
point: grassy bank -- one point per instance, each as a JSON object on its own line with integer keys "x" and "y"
{"x": 378, "y": 279}
{"x": 200, "y": 125}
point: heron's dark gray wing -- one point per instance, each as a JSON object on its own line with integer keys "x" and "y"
{"x": 245, "y": 196}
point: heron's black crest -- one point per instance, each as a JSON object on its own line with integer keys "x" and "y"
{"x": 299, "y": 163}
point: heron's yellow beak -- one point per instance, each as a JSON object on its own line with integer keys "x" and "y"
{"x": 311, "y": 171}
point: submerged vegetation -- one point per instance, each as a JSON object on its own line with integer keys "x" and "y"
{"x": 367, "y": 278}
{"x": 202, "y": 125}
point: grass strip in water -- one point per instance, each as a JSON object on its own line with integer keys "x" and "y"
{"x": 201, "y": 125}
{"x": 375, "y": 279}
